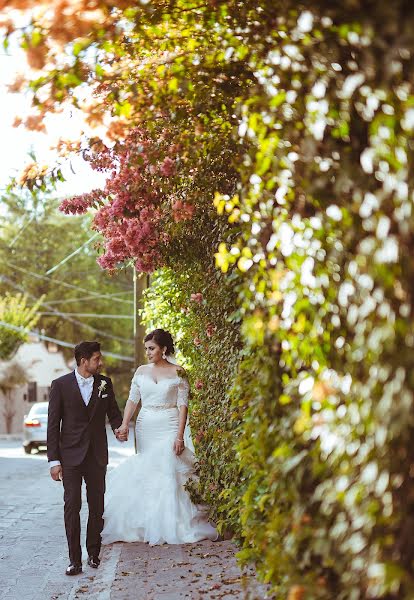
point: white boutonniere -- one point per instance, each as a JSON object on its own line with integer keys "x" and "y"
{"x": 101, "y": 387}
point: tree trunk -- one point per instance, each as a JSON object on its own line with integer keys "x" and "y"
{"x": 8, "y": 411}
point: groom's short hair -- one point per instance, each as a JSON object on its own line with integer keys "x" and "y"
{"x": 85, "y": 350}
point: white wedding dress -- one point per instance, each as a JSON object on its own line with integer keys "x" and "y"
{"x": 145, "y": 499}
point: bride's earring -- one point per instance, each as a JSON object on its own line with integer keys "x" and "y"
{"x": 164, "y": 355}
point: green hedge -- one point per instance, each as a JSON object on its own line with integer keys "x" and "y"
{"x": 298, "y": 119}
{"x": 312, "y": 462}
{"x": 209, "y": 347}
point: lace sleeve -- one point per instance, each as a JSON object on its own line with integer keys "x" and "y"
{"x": 134, "y": 393}
{"x": 183, "y": 393}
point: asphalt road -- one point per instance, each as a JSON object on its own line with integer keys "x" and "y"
{"x": 33, "y": 551}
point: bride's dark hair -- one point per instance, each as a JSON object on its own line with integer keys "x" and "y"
{"x": 162, "y": 338}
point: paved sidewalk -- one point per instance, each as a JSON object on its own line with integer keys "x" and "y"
{"x": 202, "y": 571}
{"x": 193, "y": 571}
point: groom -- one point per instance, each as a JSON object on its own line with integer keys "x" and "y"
{"x": 77, "y": 446}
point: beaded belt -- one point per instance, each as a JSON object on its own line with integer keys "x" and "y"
{"x": 160, "y": 406}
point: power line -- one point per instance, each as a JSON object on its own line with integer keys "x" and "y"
{"x": 67, "y": 300}
{"x": 74, "y": 253}
{"x": 63, "y": 283}
{"x": 69, "y": 319}
{"x": 21, "y": 230}
{"x": 60, "y": 342}
{"x": 94, "y": 315}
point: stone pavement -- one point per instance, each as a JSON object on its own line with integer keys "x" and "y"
{"x": 203, "y": 571}
{"x": 33, "y": 553}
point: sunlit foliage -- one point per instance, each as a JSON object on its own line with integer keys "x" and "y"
{"x": 294, "y": 122}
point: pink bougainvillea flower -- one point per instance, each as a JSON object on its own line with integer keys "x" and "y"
{"x": 199, "y": 384}
{"x": 198, "y": 297}
{"x": 210, "y": 329}
{"x": 199, "y": 436}
{"x": 131, "y": 211}
{"x": 197, "y": 341}
{"x": 182, "y": 211}
{"x": 77, "y": 205}
{"x": 167, "y": 167}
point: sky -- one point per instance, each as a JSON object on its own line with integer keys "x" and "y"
{"x": 17, "y": 142}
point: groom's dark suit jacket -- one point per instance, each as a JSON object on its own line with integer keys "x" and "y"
{"x": 73, "y": 427}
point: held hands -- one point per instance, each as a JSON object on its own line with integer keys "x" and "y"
{"x": 178, "y": 446}
{"x": 56, "y": 473}
{"x": 121, "y": 433}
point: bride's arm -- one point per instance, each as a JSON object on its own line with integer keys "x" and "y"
{"x": 179, "y": 440}
{"x": 182, "y": 404}
{"x": 129, "y": 410}
{"x": 182, "y": 421}
{"x": 130, "y": 407}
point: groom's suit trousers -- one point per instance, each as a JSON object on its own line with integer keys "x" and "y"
{"x": 94, "y": 475}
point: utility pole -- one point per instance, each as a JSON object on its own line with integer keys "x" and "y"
{"x": 140, "y": 284}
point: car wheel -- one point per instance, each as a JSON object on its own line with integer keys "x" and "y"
{"x": 28, "y": 449}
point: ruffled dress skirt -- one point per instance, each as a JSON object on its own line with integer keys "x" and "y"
{"x": 145, "y": 499}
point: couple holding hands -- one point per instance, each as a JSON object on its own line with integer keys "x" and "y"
{"x": 143, "y": 499}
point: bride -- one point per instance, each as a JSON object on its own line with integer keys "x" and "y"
{"x": 145, "y": 500}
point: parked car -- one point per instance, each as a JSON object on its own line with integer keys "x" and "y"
{"x": 35, "y": 427}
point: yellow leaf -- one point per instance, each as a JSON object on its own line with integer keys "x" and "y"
{"x": 285, "y": 399}
{"x": 173, "y": 84}
{"x": 301, "y": 425}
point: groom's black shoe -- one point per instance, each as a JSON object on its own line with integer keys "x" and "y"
{"x": 74, "y": 569}
{"x": 94, "y": 562}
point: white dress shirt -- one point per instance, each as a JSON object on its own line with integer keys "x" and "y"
{"x": 85, "y": 387}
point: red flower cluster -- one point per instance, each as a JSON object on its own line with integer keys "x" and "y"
{"x": 210, "y": 329}
{"x": 198, "y": 297}
{"x": 131, "y": 208}
{"x": 167, "y": 167}
{"x": 79, "y": 205}
{"x": 182, "y": 211}
{"x": 75, "y": 206}
{"x": 199, "y": 436}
